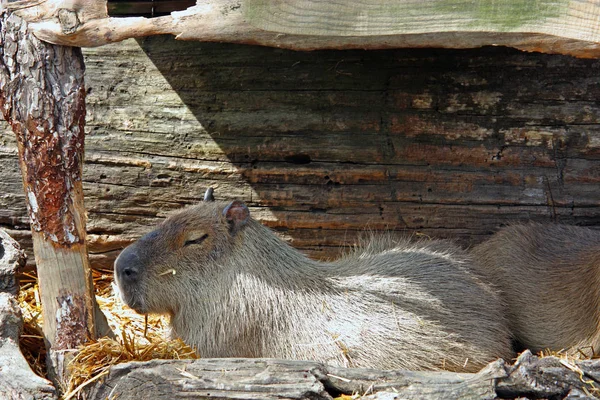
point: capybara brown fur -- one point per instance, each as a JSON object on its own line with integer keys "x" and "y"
{"x": 232, "y": 288}
{"x": 549, "y": 275}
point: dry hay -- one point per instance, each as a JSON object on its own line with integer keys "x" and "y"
{"x": 138, "y": 338}
{"x": 31, "y": 341}
{"x": 569, "y": 358}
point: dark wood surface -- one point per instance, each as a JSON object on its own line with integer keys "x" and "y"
{"x": 323, "y": 145}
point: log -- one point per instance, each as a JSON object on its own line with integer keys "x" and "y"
{"x": 17, "y": 380}
{"x": 323, "y": 145}
{"x": 530, "y": 377}
{"x": 275, "y": 379}
{"x": 538, "y": 25}
{"x": 42, "y": 96}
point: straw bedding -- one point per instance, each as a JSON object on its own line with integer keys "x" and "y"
{"x": 138, "y": 338}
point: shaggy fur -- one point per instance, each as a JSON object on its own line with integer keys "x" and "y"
{"x": 550, "y": 277}
{"x": 243, "y": 292}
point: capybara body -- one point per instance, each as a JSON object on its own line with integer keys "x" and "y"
{"x": 232, "y": 288}
{"x": 549, "y": 275}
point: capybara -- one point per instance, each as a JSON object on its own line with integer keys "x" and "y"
{"x": 233, "y": 288}
{"x": 549, "y": 276}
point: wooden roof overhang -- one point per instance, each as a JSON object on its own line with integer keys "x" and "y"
{"x": 557, "y": 26}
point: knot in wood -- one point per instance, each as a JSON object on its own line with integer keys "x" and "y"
{"x": 69, "y": 21}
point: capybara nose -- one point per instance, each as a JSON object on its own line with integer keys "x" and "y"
{"x": 127, "y": 266}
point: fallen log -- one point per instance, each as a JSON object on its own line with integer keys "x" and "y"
{"x": 17, "y": 380}
{"x": 231, "y": 378}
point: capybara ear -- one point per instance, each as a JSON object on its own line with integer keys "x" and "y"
{"x": 237, "y": 214}
{"x": 208, "y": 196}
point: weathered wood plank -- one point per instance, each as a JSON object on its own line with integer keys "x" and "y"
{"x": 564, "y": 27}
{"x": 277, "y": 379}
{"x": 376, "y": 17}
{"x": 324, "y": 144}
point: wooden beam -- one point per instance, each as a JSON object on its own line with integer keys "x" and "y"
{"x": 563, "y": 27}
{"x": 42, "y": 96}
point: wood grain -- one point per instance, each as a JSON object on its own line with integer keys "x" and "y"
{"x": 323, "y": 145}
{"x": 231, "y": 378}
{"x": 553, "y": 26}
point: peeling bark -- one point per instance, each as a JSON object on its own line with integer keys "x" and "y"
{"x": 71, "y": 318}
{"x": 50, "y": 134}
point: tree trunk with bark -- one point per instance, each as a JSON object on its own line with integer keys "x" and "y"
{"x": 42, "y": 95}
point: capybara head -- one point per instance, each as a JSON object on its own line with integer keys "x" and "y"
{"x": 156, "y": 272}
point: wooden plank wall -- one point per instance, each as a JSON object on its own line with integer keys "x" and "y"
{"x": 321, "y": 145}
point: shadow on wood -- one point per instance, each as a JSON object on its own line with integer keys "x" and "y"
{"x": 321, "y": 145}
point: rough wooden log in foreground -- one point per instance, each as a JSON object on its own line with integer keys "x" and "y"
{"x": 17, "y": 380}
{"x": 565, "y": 27}
{"x": 42, "y": 96}
{"x": 323, "y": 145}
{"x": 529, "y": 377}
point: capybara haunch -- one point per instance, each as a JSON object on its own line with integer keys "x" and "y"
{"x": 549, "y": 275}
{"x": 232, "y": 288}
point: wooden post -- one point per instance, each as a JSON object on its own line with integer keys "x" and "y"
{"x": 42, "y": 95}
